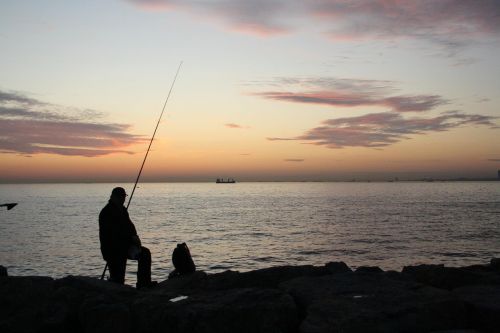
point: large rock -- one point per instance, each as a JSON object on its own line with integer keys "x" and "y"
{"x": 3, "y": 271}
{"x": 484, "y": 305}
{"x": 369, "y": 269}
{"x": 495, "y": 264}
{"x": 23, "y": 303}
{"x": 93, "y": 305}
{"x": 88, "y": 285}
{"x": 234, "y": 310}
{"x": 457, "y": 331}
{"x": 89, "y": 305}
{"x": 262, "y": 278}
{"x": 372, "y": 302}
{"x": 450, "y": 278}
{"x": 265, "y": 278}
{"x": 337, "y": 267}
{"x": 184, "y": 284}
{"x": 99, "y": 315}
{"x": 39, "y": 304}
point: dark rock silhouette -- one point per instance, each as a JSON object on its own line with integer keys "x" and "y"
{"x": 484, "y": 305}
{"x": 373, "y": 302}
{"x": 451, "y": 277}
{"x": 3, "y": 271}
{"x": 329, "y": 298}
{"x": 369, "y": 269}
{"x": 495, "y": 264}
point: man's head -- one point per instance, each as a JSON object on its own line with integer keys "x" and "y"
{"x": 118, "y": 195}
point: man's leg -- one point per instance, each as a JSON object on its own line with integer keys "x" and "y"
{"x": 144, "y": 268}
{"x": 117, "y": 270}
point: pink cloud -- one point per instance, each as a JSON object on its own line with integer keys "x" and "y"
{"x": 450, "y": 23}
{"x": 446, "y": 20}
{"x": 29, "y": 126}
{"x": 232, "y": 125}
{"x": 154, "y": 5}
{"x": 373, "y": 130}
{"x": 377, "y": 130}
{"x": 256, "y": 17}
{"x": 351, "y": 93}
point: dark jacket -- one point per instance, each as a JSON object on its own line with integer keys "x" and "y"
{"x": 116, "y": 231}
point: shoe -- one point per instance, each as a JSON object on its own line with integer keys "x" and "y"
{"x": 148, "y": 285}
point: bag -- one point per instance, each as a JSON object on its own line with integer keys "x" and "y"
{"x": 182, "y": 260}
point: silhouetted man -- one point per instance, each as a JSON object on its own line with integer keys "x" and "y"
{"x": 119, "y": 241}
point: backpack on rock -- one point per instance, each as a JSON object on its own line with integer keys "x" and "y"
{"x": 183, "y": 262}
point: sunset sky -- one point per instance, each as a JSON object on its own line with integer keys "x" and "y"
{"x": 268, "y": 89}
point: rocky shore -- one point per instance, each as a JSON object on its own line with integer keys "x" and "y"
{"x": 329, "y": 298}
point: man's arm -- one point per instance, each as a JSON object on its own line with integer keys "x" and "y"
{"x": 133, "y": 232}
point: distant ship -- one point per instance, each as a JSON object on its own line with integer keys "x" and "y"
{"x": 222, "y": 181}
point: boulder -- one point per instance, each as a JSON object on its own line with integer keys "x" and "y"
{"x": 98, "y": 315}
{"x": 233, "y": 310}
{"x": 372, "y": 302}
{"x": 23, "y": 301}
{"x": 337, "y": 267}
{"x": 89, "y": 285}
{"x": 369, "y": 269}
{"x": 483, "y": 302}
{"x": 93, "y": 305}
{"x": 449, "y": 278}
{"x": 495, "y": 264}
{"x": 184, "y": 284}
{"x": 262, "y": 278}
{"x": 457, "y": 331}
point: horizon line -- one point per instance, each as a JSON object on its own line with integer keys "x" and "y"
{"x": 352, "y": 180}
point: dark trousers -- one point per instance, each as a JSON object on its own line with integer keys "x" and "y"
{"x": 117, "y": 268}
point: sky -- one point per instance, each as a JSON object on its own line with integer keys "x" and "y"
{"x": 268, "y": 90}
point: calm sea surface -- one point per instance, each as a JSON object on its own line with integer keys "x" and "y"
{"x": 244, "y": 226}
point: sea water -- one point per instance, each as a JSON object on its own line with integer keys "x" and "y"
{"x": 245, "y": 226}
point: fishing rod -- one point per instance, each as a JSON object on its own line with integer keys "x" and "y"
{"x": 149, "y": 147}
{"x": 154, "y": 133}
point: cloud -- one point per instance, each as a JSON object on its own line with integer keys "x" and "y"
{"x": 281, "y": 139}
{"x": 261, "y": 17}
{"x": 378, "y": 130}
{"x": 232, "y": 125}
{"x": 374, "y": 130}
{"x": 29, "y": 126}
{"x": 413, "y": 103}
{"x": 350, "y": 93}
{"x": 417, "y": 103}
{"x": 13, "y": 97}
{"x": 329, "y": 83}
{"x": 294, "y": 160}
{"x": 154, "y": 5}
{"x": 450, "y": 23}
